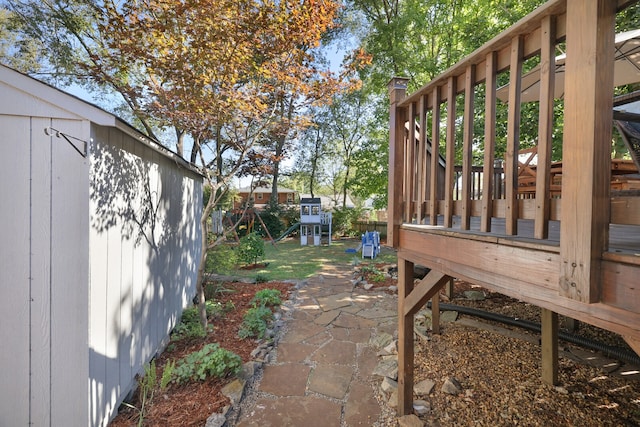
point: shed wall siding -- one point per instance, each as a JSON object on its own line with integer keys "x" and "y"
{"x": 44, "y": 265}
{"x": 145, "y": 235}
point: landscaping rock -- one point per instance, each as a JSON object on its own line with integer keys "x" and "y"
{"x": 421, "y": 407}
{"x": 387, "y": 368}
{"x": 218, "y": 419}
{"x": 424, "y": 387}
{"x": 393, "y": 399}
{"x": 392, "y": 348}
{"x": 422, "y": 332}
{"x": 452, "y": 386}
{"x": 249, "y": 369}
{"x": 474, "y": 295}
{"x": 449, "y": 316}
{"x": 410, "y": 421}
{"x": 234, "y": 391}
{"x": 389, "y": 385}
{"x": 381, "y": 340}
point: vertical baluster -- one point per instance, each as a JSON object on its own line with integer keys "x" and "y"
{"x": 513, "y": 137}
{"x": 489, "y": 143}
{"x": 450, "y": 152}
{"x": 422, "y": 159}
{"x": 545, "y": 127}
{"x": 467, "y": 147}
{"x": 410, "y": 174}
{"x": 435, "y": 156}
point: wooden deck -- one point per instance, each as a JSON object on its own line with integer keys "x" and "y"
{"x": 570, "y": 241}
{"x": 623, "y": 239}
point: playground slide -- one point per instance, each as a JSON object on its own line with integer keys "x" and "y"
{"x": 289, "y": 231}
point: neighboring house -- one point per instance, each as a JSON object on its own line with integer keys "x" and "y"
{"x": 100, "y": 241}
{"x": 259, "y": 198}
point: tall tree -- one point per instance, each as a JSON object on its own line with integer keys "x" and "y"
{"x": 348, "y": 118}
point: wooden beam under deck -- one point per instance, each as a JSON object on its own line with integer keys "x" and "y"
{"x": 528, "y": 273}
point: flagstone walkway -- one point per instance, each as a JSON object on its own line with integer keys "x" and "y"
{"x": 321, "y": 374}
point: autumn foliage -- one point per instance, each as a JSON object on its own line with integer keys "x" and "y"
{"x": 196, "y": 64}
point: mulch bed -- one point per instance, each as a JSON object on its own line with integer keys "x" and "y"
{"x": 191, "y": 404}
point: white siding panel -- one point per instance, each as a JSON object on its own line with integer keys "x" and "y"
{"x": 41, "y": 265}
{"x": 14, "y": 270}
{"x": 125, "y": 356}
{"x": 114, "y": 178}
{"x": 17, "y": 103}
{"x": 98, "y": 278}
{"x": 69, "y": 273}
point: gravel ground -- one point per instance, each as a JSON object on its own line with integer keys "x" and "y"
{"x": 500, "y": 373}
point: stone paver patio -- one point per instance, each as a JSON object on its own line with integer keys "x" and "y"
{"x": 322, "y": 371}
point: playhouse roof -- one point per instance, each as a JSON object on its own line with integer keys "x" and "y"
{"x": 310, "y": 201}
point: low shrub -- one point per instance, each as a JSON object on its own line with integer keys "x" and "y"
{"x": 189, "y": 326}
{"x": 254, "y": 322}
{"x": 211, "y": 360}
{"x": 267, "y": 298}
{"x": 261, "y": 278}
{"x": 221, "y": 259}
{"x": 213, "y": 290}
{"x": 250, "y": 248}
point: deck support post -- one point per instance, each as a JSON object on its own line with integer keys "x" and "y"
{"x": 549, "y": 346}
{"x": 411, "y": 298}
{"x": 405, "y": 339}
{"x": 435, "y": 313}
{"x": 586, "y": 152}
{"x": 397, "y": 117}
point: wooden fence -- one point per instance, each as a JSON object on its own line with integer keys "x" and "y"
{"x": 362, "y": 226}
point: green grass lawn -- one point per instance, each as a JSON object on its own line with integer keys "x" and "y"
{"x": 289, "y": 260}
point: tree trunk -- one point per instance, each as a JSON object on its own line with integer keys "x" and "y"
{"x": 344, "y": 186}
{"x": 195, "y": 149}
{"x": 276, "y": 170}
{"x": 180, "y": 142}
{"x": 204, "y": 244}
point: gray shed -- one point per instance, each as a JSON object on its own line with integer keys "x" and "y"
{"x": 99, "y": 245}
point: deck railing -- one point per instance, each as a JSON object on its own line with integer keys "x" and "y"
{"x": 487, "y": 189}
{"x": 430, "y": 189}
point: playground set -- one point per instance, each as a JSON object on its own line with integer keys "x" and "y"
{"x": 315, "y": 227}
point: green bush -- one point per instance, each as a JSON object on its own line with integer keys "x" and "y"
{"x": 262, "y": 278}
{"x": 221, "y": 259}
{"x": 216, "y": 310}
{"x": 267, "y": 297}
{"x": 342, "y": 219}
{"x": 212, "y": 360}
{"x": 254, "y": 322}
{"x": 251, "y": 248}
